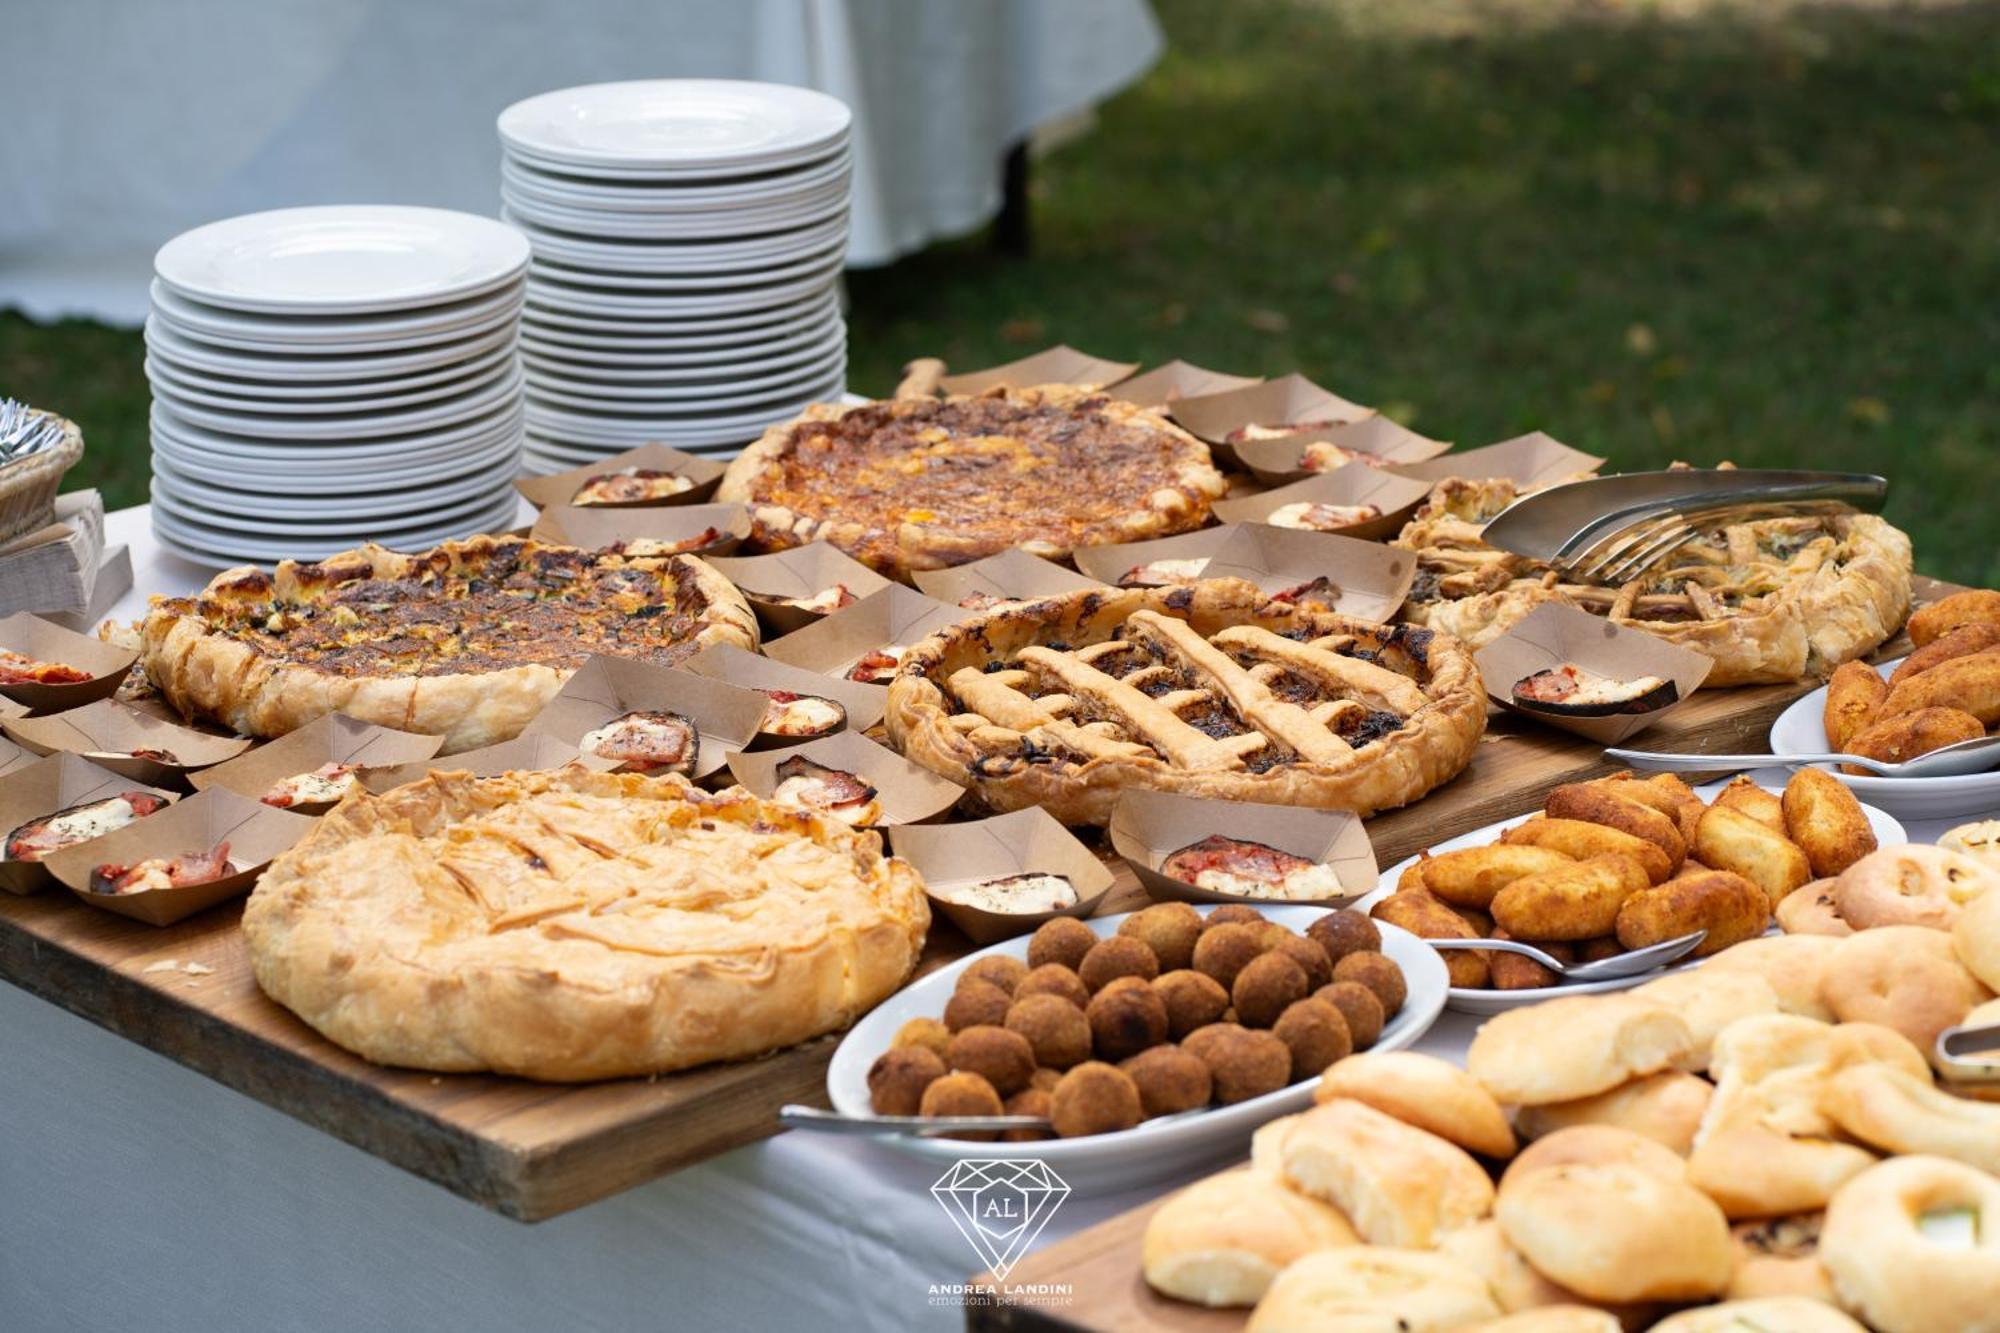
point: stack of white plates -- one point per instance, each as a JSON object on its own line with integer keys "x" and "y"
{"x": 688, "y": 239}
{"x": 327, "y": 376}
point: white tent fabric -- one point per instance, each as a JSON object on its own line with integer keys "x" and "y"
{"x": 130, "y": 121}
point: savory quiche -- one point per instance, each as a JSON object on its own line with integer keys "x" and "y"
{"x": 570, "y": 925}
{"x": 466, "y": 640}
{"x": 1768, "y": 600}
{"x": 926, "y": 483}
{"x": 1209, "y": 688}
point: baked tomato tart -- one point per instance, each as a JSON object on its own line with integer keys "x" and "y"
{"x": 570, "y": 925}
{"x": 1768, "y": 600}
{"x": 1209, "y": 688}
{"x": 466, "y": 640}
{"x": 926, "y": 483}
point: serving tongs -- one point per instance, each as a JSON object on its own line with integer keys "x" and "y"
{"x": 1609, "y": 530}
{"x": 1970, "y": 1055}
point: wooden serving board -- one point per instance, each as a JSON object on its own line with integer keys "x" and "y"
{"x": 534, "y": 1150}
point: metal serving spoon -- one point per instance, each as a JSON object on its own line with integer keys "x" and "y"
{"x": 1947, "y": 761}
{"x": 1628, "y": 964}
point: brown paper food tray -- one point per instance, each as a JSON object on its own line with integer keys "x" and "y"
{"x": 1061, "y": 364}
{"x": 48, "y": 784}
{"x": 595, "y": 528}
{"x": 1108, "y": 564}
{"x": 1165, "y": 385}
{"x": 107, "y": 725}
{"x": 1373, "y": 579}
{"x": 864, "y": 704}
{"x": 46, "y": 641}
{"x": 909, "y": 794}
{"x": 1149, "y": 826}
{"x": 1283, "y": 459}
{"x": 1350, "y": 484}
{"x": 1012, "y": 575}
{"x": 14, "y": 758}
{"x": 555, "y": 489}
{"x": 895, "y": 615}
{"x": 1019, "y": 842}
{"x": 255, "y": 833}
{"x": 1532, "y": 460}
{"x": 1552, "y": 634}
{"x": 800, "y": 571}
{"x": 332, "y": 739}
{"x": 604, "y": 689}
{"x": 530, "y": 752}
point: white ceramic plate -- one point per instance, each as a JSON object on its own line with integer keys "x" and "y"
{"x": 487, "y": 394}
{"x": 625, "y": 333}
{"x": 596, "y": 190}
{"x": 675, "y": 124}
{"x": 1151, "y": 1152}
{"x": 218, "y": 550}
{"x": 345, "y": 258}
{"x": 333, "y": 337}
{"x": 291, "y": 369}
{"x": 716, "y": 252}
{"x": 260, "y": 521}
{"x": 562, "y": 362}
{"x": 825, "y": 263}
{"x": 240, "y": 450}
{"x": 742, "y": 391}
{"x": 249, "y": 394}
{"x": 624, "y": 421}
{"x": 549, "y": 294}
{"x": 291, "y": 478}
{"x": 383, "y": 497}
{"x": 708, "y": 223}
{"x": 621, "y": 363}
{"x": 1801, "y": 729}
{"x": 1470, "y": 1001}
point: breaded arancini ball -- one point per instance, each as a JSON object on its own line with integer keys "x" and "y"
{"x": 927, "y": 1032}
{"x": 1223, "y": 951}
{"x": 1192, "y": 999}
{"x": 1054, "y": 979}
{"x": 1002, "y": 1058}
{"x": 998, "y": 968}
{"x": 1269, "y": 985}
{"x": 1045, "y": 1080}
{"x": 1094, "y": 1098}
{"x": 1244, "y": 1062}
{"x": 1169, "y": 1080}
{"x": 1233, "y": 914}
{"x": 1118, "y": 956}
{"x": 1126, "y": 1017}
{"x": 1029, "y": 1101}
{"x": 976, "y": 1003}
{"x": 897, "y": 1079}
{"x": 1310, "y": 957}
{"x": 1055, "y": 1029}
{"x": 1061, "y": 939}
{"x": 1316, "y": 1035}
{"x": 1344, "y": 932}
{"x": 962, "y": 1094}
{"x": 1379, "y": 974}
{"x": 1168, "y": 929}
{"x": 1359, "y": 1007}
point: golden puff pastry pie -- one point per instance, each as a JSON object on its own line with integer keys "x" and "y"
{"x": 570, "y": 925}
{"x": 1209, "y": 688}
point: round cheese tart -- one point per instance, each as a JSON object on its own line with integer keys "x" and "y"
{"x": 466, "y": 640}
{"x": 570, "y": 925}
{"x": 1208, "y": 688}
{"x": 925, "y": 483}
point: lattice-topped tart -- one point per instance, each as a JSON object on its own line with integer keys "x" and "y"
{"x": 926, "y": 483}
{"x": 466, "y": 640}
{"x": 1775, "y": 599}
{"x": 1209, "y": 688}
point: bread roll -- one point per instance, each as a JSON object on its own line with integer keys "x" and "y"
{"x": 1396, "y": 1184}
{"x": 1594, "y": 1145}
{"x": 1363, "y": 1287}
{"x": 1913, "y": 1245}
{"x": 1904, "y": 977}
{"x": 1221, "y": 1241}
{"x": 1900, "y": 1112}
{"x": 1616, "y": 1232}
{"x": 1809, "y": 910}
{"x": 1665, "y": 1107}
{"x": 1779, "y": 1256}
{"x": 1752, "y": 1170}
{"x": 1709, "y": 1002}
{"x": 1576, "y": 1046}
{"x": 1975, "y": 937}
{"x": 1424, "y": 1091}
{"x": 1912, "y": 885}
{"x": 1771, "y": 1314}
{"x": 1792, "y": 965}
{"x": 1979, "y": 840}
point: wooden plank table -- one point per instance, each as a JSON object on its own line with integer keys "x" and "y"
{"x": 533, "y": 1150}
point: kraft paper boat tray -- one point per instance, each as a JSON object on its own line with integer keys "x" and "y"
{"x": 801, "y": 571}
{"x": 1553, "y": 634}
{"x": 604, "y": 689}
{"x": 909, "y": 794}
{"x": 1020, "y": 842}
{"x": 1530, "y": 460}
{"x": 893, "y": 616}
{"x": 530, "y": 752}
{"x": 333, "y": 739}
{"x": 1055, "y": 365}
{"x": 557, "y": 488}
{"x": 45, "y": 641}
{"x": 1165, "y": 385}
{"x": 1395, "y": 495}
{"x": 45, "y": 785}
{"x": 1147, "y": 827}
{"x": 106, "y": 731}
{"x": 863, "y": 704}
{"x": 595, "y": 527}
{"x": 1010, "y": 576}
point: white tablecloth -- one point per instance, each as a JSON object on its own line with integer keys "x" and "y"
{"x": 129, "y": 122}
{"x": 135, "y": 1194}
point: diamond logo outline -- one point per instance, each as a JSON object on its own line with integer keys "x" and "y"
{"x": 1000, "y": 1205}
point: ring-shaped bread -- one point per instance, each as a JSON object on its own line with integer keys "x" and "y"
{"x": 1890, "y": 1269}
{"x": 1208, "y": 688}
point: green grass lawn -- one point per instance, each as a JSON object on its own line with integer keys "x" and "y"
{"x": 1693, "y": 231}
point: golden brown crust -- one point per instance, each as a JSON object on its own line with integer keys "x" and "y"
{"x": 215, "y": 656}
{"x": 1045, "y": 469}
{"x": 460, "y": 923}
{"x": 1028, "y": 760}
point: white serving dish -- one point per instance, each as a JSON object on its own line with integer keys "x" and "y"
{"x": 1468, "y": 1000}
{"x": 786, "y": 187}
{"x": 619, "y": 360}
{"x": 550, "y": 294}
{"x": 322, "y": 333}
{"x": 1801, "y": 729}
{"x": 710, "y": 395}
{"x": 296, "y": 479}
{"x": 631, "y": 331}
{"x": 719, "y": 252}
{"x": 1153, "y": 1151}
{"x": 263, "y": 521}
{"x": 376, "y": 497}
{"x": 364, "y": 420}
{"x": 243, "y": 451}
{"x": 290, "y": 368}
{"x": 220, "y": 390}
{"x": 675, "y": 125}
{"x": 668, "y": 223}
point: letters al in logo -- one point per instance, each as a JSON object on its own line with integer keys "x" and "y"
{"x": 1000, "y": 1206}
